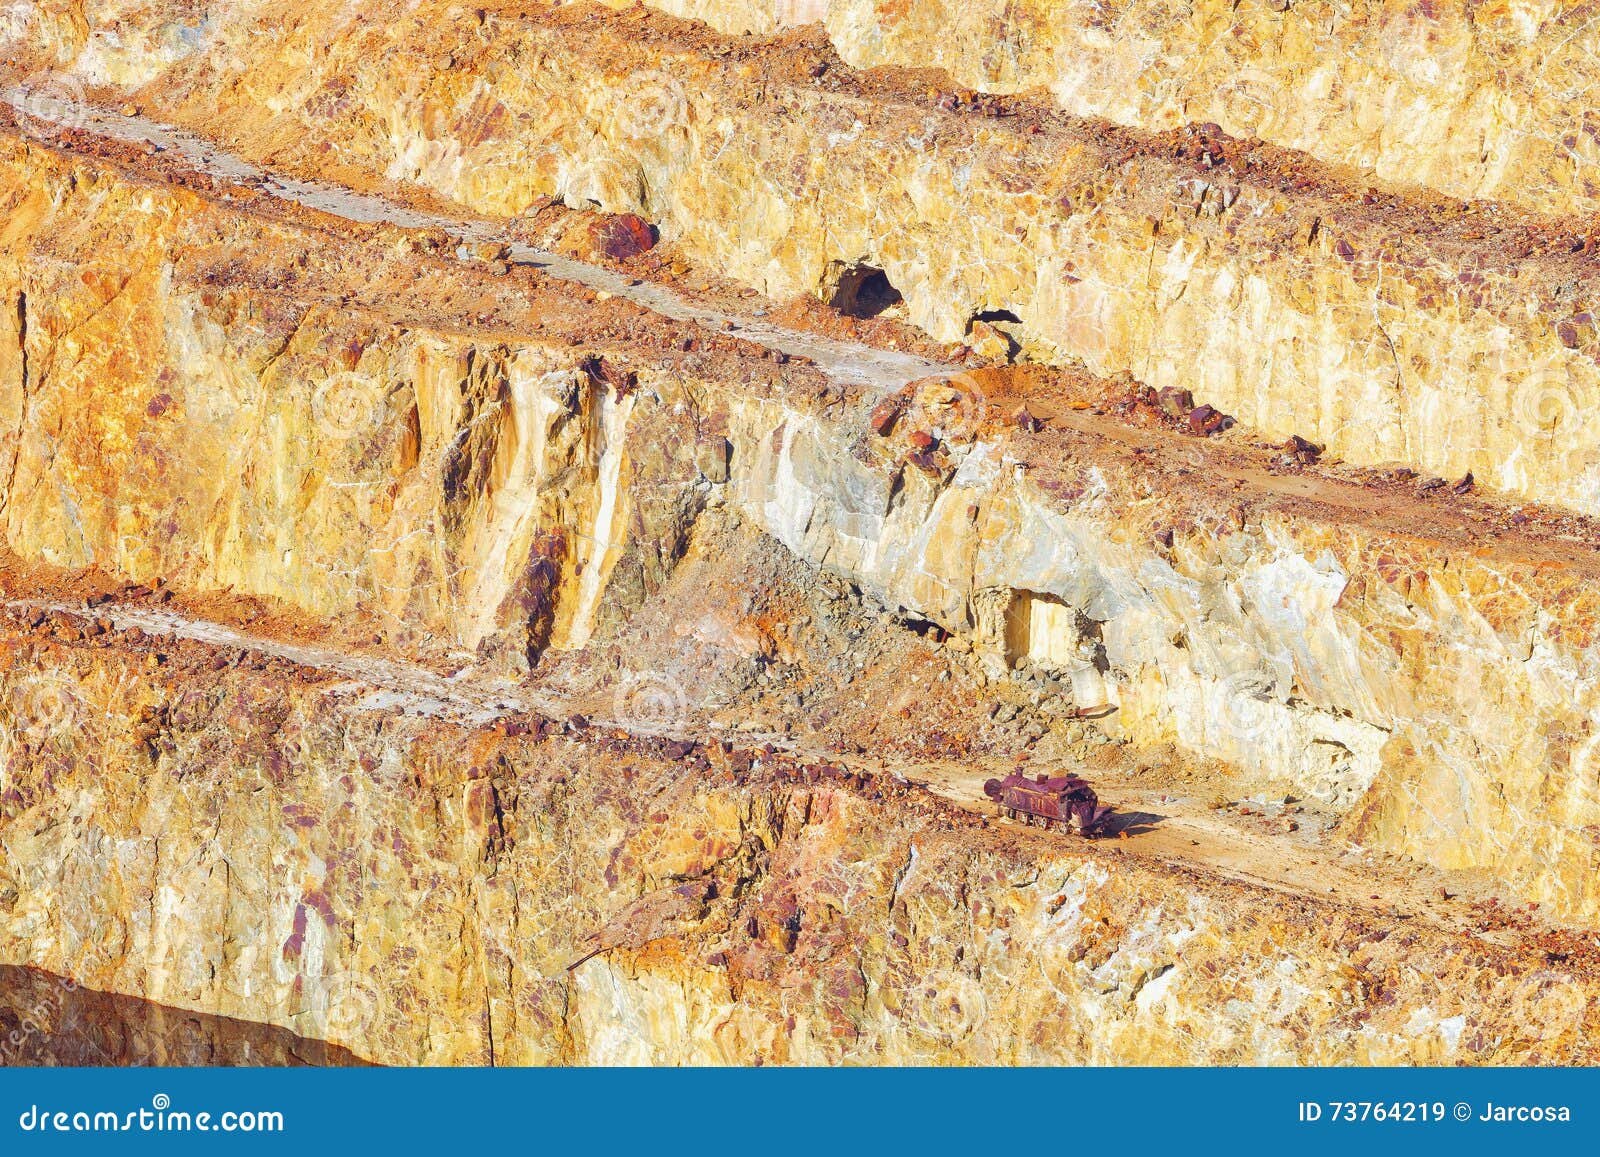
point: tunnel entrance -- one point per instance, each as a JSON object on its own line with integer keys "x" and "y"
{"x": 859, "y": 290}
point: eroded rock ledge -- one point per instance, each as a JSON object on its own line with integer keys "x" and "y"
{"x": 251, "y": 838}
{"x": 1385, "y": 325}
{"x": 502, "y": 492}
{"x": 1474, "y": 99}
{"x": 340, "y": 551}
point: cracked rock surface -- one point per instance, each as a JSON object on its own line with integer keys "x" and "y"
{"x": 524, "y": 532}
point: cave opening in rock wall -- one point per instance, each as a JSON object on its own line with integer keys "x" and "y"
{"x": 862, "y": 291}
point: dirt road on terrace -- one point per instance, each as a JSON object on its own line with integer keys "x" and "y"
{"x": 844, "y": 361}
{"x": 1250, "y": 842}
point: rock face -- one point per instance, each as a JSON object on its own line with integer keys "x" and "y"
{"x": 1475, "y": 100}
{"x": 482, "y": 495}
{"x": 54, "y": 1020}
{"x": 1392, "y": 326}
{"x": 1340, "y": 659}
{"x": 424, "y": 893}
{"x": 443, "y": 621}
{"x": 166, "y": 418}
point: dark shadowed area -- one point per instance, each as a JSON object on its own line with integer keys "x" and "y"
{"x": 49, "y": 1020}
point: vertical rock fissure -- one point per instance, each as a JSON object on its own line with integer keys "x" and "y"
{"x": 22, "y": 410}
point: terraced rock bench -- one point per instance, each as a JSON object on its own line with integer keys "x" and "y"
{"x": 422, "y": 891}
{"x": 442, "y": 621}
{"x": 1387, "y": 326}
{"x": 511, "y": 485}
{"x": 1474, "y": 100}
